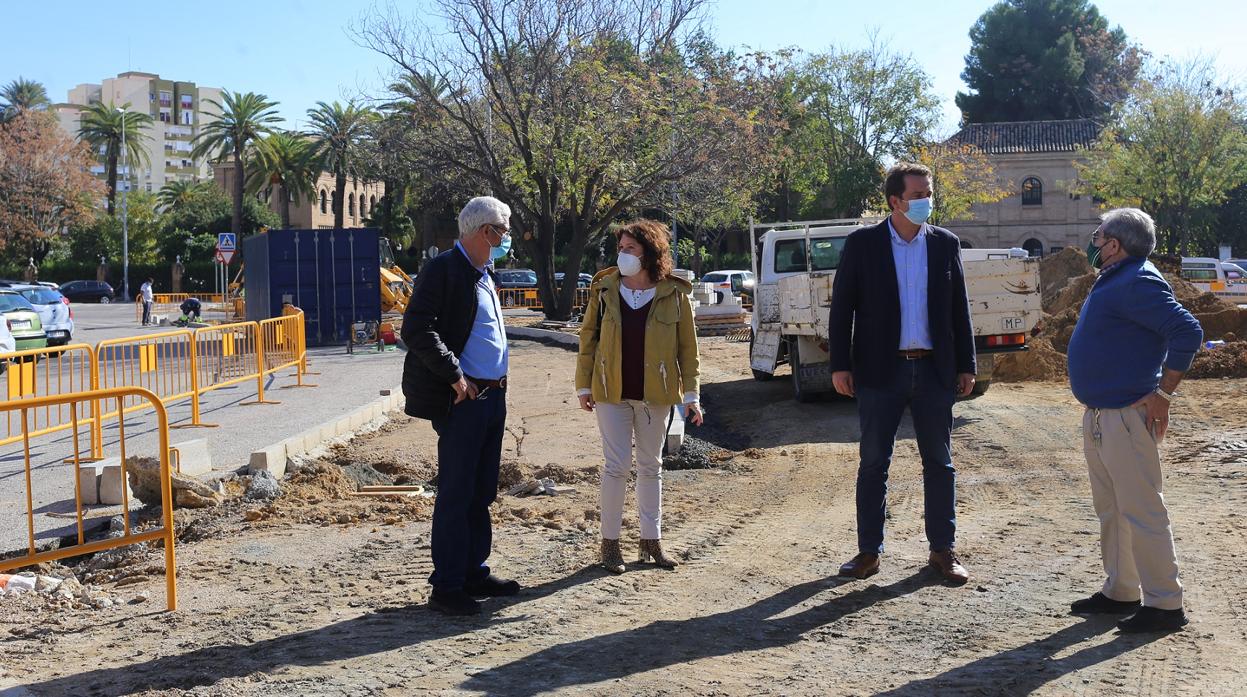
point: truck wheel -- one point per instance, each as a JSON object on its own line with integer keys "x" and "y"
{"x": 987, "y": 366}
{"x": 801, "y": 393}
{"x": 759, "y": 375}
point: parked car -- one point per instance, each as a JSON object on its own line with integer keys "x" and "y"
{"x": 517, "y": 278}
{"x": 88, "y": 291}
{"x": 730, "y": 282}
{"x": 582, "y": 280}
{"x": 23, "y": 321}
{"x": 54, "y": 312}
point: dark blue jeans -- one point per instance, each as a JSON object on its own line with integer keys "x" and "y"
{"x": 469, "y": 446}
{"x": 915, "y": 384}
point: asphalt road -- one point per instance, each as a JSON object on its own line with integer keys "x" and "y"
{"x": 345, "y": 382}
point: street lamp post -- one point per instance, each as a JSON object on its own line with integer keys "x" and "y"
{"x": 125, "y": 230}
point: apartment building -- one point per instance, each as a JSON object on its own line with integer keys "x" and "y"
{"x": 178, "y": 110}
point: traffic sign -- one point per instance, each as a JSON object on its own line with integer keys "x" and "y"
{"x": 223, "y": 256}
{"x": 225, "y": 242}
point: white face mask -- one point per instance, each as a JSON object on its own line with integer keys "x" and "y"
{"x": 629, "y": 265}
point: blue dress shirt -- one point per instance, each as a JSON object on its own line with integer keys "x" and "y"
{"x": 486, "y": 355}
{"x": 911, "y": 285}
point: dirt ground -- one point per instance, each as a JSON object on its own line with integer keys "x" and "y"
{"x": 322, "y": 594}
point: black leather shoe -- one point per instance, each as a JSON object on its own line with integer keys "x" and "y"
{"x": 1153, "y": 619}
{"x": 1100, "y": 604}
{"x": 455, "y": 603}
{"x": 492, "y": 587}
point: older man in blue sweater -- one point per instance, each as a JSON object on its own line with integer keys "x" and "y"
{"x": 1132, "y": 344}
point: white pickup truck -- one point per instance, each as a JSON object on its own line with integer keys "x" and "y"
{"x": 794, "y": 264}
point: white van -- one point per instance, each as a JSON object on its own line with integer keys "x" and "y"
{"x": 1210, "y": 276}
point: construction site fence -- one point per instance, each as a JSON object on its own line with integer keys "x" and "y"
{"x": 177, "y": 365}
{"x": 528, "y": 298}
{"x": 80, "y": 405}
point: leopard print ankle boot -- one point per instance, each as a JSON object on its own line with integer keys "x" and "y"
{"x": 612, "y": 557}
{"x": 651, "y": 551}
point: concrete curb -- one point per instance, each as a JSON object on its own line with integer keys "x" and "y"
{"x": 275, "y": 457}
{"x": 546, "y": 336}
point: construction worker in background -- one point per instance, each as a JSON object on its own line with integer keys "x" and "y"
{"x": 191, "y": 310}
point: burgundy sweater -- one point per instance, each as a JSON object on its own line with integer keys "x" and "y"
{"x": 633, "y": 363}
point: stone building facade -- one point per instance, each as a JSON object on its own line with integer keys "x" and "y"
{"x": 1036, "y": 160}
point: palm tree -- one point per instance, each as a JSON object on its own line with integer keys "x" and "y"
{"x": 341, "y": 132}
{"x": 22, "y": 95}
{"x": 284, "y": 161}
{"x": 244, "y": 119}
{"x": 103, "y": 126}
{"x": 177, "y": 193}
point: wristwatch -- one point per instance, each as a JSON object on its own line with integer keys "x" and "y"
{"x": 1167, "y": 396}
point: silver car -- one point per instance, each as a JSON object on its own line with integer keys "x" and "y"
{"x": 54, "y": 312}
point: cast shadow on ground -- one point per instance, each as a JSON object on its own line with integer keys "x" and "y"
{"x": 383, "y": 630}
{"x": 733, "y": 411}
{"x": 664, "y": 643}
{"x": 1024, "y": 669}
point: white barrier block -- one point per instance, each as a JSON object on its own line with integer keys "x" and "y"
{"x": 89, "y": 483}
{"x": 112, "y": 486}
{"x": 196, "y": 458}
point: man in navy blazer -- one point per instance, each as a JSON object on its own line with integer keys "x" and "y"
{"x": 900, "y": 337}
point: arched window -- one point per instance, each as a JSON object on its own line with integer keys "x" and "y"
{"x": 350, "y": 204}
{"x": 1033, "y": 247}
{"x": 372, "y": 204}
{"x": 1032, "y": 192}
{"x": 324, "y": 201}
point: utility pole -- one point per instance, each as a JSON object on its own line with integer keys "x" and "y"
{"x": 125, "y": 230}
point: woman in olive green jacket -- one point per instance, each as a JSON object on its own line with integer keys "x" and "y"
{"x": 638, "y": 359}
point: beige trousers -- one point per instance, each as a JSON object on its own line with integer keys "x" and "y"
{"x": 619, "y": 423}
{"x": 1136, "y": 541}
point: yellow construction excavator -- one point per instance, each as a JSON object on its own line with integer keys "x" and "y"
{"x": 396, "y": 285}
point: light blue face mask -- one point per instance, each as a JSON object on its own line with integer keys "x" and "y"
{"x": 919, "y": 210}
{"x": 503, "y": 248}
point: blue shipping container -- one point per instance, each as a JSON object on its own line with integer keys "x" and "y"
{"x": 333, "y": 276}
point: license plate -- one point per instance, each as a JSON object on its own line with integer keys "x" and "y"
{"x": 19, "y": 324}
{"x": 1011, "y": 323}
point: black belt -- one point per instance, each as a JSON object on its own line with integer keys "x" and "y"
{"x": 499, "y": 384}
{"x": 914, "y": 354}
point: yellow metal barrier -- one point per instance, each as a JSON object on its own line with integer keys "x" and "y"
{"x": 285, "y": 345}
{"x": 88, "y": 400}
{"x": 46, "y": 372}
{"x": 228, "y": 354}
{"x": 527, "y": 298}
{"x": 174, "y": 365}
{"x": 160, "y": 363}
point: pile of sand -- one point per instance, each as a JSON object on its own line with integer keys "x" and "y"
{"x": 1065, "y": 281}
{"x": 1056, "y": 270}
{"x": 1228, "y": 361}
{"x": 1041, "y": 362}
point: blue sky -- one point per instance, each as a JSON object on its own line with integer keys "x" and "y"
{"x": 300, "y": 51}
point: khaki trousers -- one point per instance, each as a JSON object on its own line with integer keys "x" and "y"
{"x": 618, "y": 424}
{"x": 1136, "y": 541}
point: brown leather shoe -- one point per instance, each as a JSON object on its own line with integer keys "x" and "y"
{"x": 950, "y": 566}
{"x": 864, "y": 565}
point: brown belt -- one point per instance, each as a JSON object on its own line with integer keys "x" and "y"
{"x": 500, "y": 383}
{"x": 914, "y": 354}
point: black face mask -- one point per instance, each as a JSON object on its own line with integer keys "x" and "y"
{"x": 1095, "y": 254}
